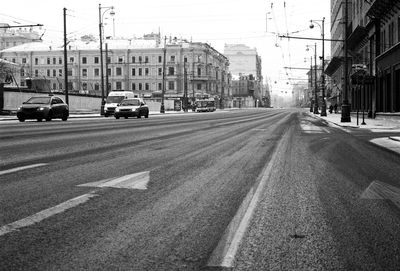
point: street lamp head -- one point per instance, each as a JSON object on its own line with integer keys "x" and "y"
{"x": 112, "y": 12}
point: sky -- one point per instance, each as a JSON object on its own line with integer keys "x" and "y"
{"x": 255, "y": 23}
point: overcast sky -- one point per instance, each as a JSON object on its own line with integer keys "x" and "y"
{"x": 216, "y": 22}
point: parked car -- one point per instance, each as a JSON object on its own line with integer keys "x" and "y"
{"x": 43, "y": 107}
{"x": 134, "y": 107}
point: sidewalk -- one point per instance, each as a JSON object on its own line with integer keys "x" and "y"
{"x": 377, "y": 125}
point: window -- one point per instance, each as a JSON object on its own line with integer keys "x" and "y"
{"x": 140, "y": 86}
{"x": 48, "y": 61}
{"x": 171, "y": 70}
{"x": 185, "y": 59}
{"x": 133, "y": 59}
{"x": 159, "y": 86}
{"x": 71, "y": 59}
{"x": 108, "y": 60}
{"x": 96, "y": 60}
{"x": 84, "y": 60}
{"x": 133, "y": 72}
{"x": 140, "y": 71}
{"x": 171, "y": 85}
{"x": 109, "y": 72}
{"x": 172, "y": 58}
{"x": 146, "y": 59}
{"x": 13, "y": 60}
{"x": 60, "y": 72}
{"x": 60, "y": 60}
{"x": 54, "y": 73}
{"x": 147, "y": 86}
{"x": 22, "y": 72}
{"x": 198, "y": 86}
{"x": 96, "y": 86}
{"x": 118, "y": 85}
{"x": 96, "y": 72}
{"x": 146, "y": 71}
{"x": 140, "y": 59}
{"x": 36, "y": 73}
{"x": 84, "y": 72}
{"x": 198, "y": 71}
{"x": 120, "y": 59}
{"x": 84, "y": 86}
{"x": 54, "y": 61}
{"x": 159, "y": 59}
{"x": 69, "y": 72}
{"x": 133, "y": 86}
{"x": 37, "y": 59}
{"x": 118, "y": 71}
{"x": 159, "y": 71}
{"x": 24, "y": 60}
{"x": 48, "y": 73}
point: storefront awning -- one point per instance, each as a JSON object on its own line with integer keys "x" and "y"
{"x": 333, "y": 65}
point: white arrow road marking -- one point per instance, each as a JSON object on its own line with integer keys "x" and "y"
{"x": 132, "y": 181}
{"x": 382, "y": 191}
{"x": 30, "y": 220}
{"x": 388, "y": 143}
{"x": 21, "y": 168}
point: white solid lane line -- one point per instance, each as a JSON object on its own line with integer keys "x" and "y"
{"x": 30, "y": 220}
{"x": 225, "y": 252}
{"x": 21, "y": 168}
{"x": 131, "y": 181}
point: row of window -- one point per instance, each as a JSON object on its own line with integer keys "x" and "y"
{"x": 85, "y": 60}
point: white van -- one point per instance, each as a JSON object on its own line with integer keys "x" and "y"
{"x": 114, "y": 98}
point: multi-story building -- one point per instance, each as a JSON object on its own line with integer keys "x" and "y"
{"x": 373, "y": 42}
{"x": 10, "y": 37}
{"x": 245, "y": 61}
{"x": 136, "y": 65}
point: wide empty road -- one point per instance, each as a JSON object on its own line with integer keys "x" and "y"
{"x": 259, "y": 189}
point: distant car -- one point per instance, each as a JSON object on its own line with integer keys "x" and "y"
{"x": 134, "y": 107}
{"x": 43, "y": 107}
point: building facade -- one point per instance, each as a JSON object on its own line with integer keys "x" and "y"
{"x": 246, "y": 68}
{"x": 136, "y": 65}
{"x": 11, "y": 37}
{"x": 373, "y": 43}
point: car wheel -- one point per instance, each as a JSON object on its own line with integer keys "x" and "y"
{"x": 106, "y": 115}
{"x": 49, "y": 116}
{"x": 64, "y": 117}
{"x": 117, "y": 117}
{"x": 126, "y": 117}
{"x": 147, "y": 115}
{"x": 21, "y": 119}
{"x": 139, "y": 116}
{"x": 39, "y": 120}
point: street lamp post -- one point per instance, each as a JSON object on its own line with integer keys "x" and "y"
{"x": 112, "y": 13}
{"x": 315, "y": 78}
{"x": 323, "y": 106}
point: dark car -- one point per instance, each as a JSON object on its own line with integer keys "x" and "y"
{"x": 43, "y": 107}
{"x": 134, "y": 107}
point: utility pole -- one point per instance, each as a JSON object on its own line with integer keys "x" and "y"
{"x": 323, "y": 107}
{"x": 311, "y": 84}
{"x": 162, "y": 109}
{"x": 315, "y": 83}
{"x": 107, "y": 89}
{"x": 65, "y": 57}
{"x": 185, "y": 94}
{"x": 345, "y": 104}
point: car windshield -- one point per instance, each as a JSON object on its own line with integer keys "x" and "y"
{"x": 38, "y": 100}
{"x": 114, "y": 99}
{"x": 131, "y": 102}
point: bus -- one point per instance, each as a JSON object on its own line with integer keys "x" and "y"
{"x": 205, "y": 105}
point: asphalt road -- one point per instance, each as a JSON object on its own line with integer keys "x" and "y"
{"x": 289, "y": 191}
